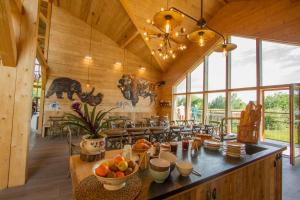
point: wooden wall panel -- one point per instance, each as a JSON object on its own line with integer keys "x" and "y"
{"x": 69, "y": 44}
{"x": 268, "y": 19}
{"x": 7, "y": 76}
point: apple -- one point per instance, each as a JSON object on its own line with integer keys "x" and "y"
{"x": 120, "y": 174}
{"x": 118, "y": 159}
{"x": 122, "y": 165}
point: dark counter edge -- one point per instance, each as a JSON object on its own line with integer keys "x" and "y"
{"x": 187, "y": 187}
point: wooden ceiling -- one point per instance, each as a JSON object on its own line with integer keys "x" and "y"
{"x": 124, "y": 21}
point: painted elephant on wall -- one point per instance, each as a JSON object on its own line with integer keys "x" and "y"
{"x": 61, "y": 85}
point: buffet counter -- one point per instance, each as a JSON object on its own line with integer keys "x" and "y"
{"x": 256, "y": 176}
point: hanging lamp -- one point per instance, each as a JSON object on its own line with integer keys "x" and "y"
{"x": 89, "y": 56}
{"x": 205, "y": 33}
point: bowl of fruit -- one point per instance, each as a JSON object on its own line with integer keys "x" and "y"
{"x": 113, "y": 173}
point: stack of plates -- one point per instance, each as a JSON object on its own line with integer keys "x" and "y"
{"x": 212, "y": 144}
{"x": 234, "y": 149}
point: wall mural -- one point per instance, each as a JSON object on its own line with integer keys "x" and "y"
{"x": 132, "y": 88}
{"x": 71, "y": 87}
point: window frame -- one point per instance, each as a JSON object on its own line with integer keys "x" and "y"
{"x": 228, "y": 90}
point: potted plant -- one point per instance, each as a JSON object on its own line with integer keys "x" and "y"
{"x": 92, "y": 123}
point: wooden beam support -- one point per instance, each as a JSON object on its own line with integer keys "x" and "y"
{"x": 133, "y": 19}
{"x": 19, "y": 5}
{"x": 130, "y": 39}
{"x": 8, "y": 47}
{"x": 43, "y": 18}
{"x": 22, "y": 107}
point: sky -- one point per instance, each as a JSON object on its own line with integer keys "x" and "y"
{"x": 280, "y": 65}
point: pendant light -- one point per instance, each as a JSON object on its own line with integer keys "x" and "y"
{"x": 89, "y": 57}
{"x": 166, "y": 21}
{"x": 206, "y": 33}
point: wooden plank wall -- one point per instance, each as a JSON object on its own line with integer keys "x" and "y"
{"x": 15, "y": 113}
{"x": 69, "y": 44}
{"x": 268, "y": 19}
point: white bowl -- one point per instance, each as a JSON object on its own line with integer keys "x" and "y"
{"x": 113, "y": 183}
{"x": 159, "y": 169}
{"x": 184, "y": 168}
{"x": 159, "y": 177}
{"x": 169, "y": 157}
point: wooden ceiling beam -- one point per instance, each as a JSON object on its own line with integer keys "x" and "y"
{"x": 8, "y": 46}
{"x": 130, "y": 39}
{"x": 132, "y": 17}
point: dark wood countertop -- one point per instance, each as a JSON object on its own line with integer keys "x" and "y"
{"x": 210, "y": 164}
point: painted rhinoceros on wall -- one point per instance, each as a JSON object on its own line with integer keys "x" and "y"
{"x": 89, "y": 98}
{"x": 61, "y": 85}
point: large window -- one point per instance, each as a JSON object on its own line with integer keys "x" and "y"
{"x": 195, "y": 107}
{"x": 216, "y": 71}
{"x": 197, "y": 79}
{"x": 208, "y": 98}
{"x": 243, "y": 63}
{"x": 181, "y": 87}
{"x": 280, "y": 63}
{"x": 179, "y": 107}
{"x": 216, "y": 107}
{"x": 238, "y": 102}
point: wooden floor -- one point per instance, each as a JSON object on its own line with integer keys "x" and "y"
{"x": 48, "y": 174}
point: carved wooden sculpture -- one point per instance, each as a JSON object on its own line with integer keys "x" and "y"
{"x": 248, "y": 130}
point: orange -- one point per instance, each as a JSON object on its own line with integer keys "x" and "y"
{"x": 120, "y": 174}
{"x": 102, "y": 170}
{"x": 118, "y": 159}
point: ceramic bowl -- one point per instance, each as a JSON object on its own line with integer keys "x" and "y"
{"x": 159, "y": 169}
{"x": 113, "y": 183}
{"x": 169, "y": 157}
{"x": 184, "y": 168}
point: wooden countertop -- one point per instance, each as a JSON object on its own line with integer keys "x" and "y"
{"x": 210, "y": 164}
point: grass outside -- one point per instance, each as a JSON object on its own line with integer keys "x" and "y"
{"x": 279, "y": 135}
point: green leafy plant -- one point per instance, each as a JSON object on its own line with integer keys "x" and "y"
{"x": 91, "y": 122}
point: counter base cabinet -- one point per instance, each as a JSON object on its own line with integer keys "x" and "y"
{"x": 261, "y": 180}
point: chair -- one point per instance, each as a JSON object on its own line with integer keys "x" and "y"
{"x": 138, "y": 133}
{"x": 116, "y": 138}
{"x": 157, "y": 134}
{"x": 74, "y": 146}
{"x": 56, "y": 126}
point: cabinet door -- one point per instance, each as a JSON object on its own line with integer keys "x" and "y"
{"x": 222, "y": 188}
{"x": 256, "y": 181}
{"x": 198, "y": 193}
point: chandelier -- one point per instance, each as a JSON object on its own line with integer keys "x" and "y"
{"x": 166, "y": 21}
{"x": 206, "y": 33}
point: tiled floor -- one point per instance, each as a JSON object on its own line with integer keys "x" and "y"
{"x": 291, "y": 181}
{"x": 48, "y": 174}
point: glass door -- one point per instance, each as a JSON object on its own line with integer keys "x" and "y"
{"x": 295, "y": 124}
{"x": 276, "y": 117}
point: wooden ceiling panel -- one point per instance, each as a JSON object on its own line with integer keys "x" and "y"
{"x": 140, "y": 12}
{"x": 124, "y": 21}
{"x": 139, "y": 48}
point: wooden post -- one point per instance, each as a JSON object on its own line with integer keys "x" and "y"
{"x": 22, "y": 99}
{"x": 7, "y": 76}
{"x": 8, "y": 49}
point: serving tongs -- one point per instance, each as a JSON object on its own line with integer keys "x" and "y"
{"x": 196, "y": 173}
